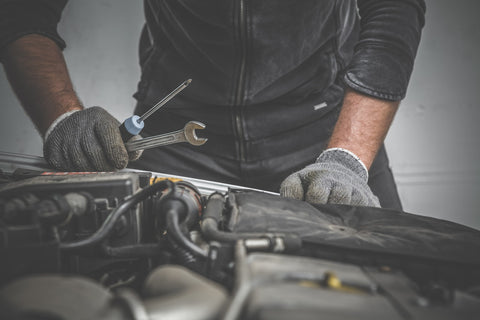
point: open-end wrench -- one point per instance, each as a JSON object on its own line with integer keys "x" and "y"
{"x": 187, "y": 134}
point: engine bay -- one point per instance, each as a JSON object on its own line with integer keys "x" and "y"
{"x": 133, "y": 245}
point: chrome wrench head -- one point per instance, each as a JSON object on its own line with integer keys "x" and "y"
{"x": 191, "y": 135}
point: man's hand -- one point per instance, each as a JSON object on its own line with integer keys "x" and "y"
{"x": 77, "y": 139}
{"x": 337, "y": 177}
{"x": 340, "y": 174}
{"x": 87, "y": 140}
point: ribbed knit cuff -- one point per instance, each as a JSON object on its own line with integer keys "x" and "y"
{"x": 56, "y": 122}
{"x": 347, "y": 158}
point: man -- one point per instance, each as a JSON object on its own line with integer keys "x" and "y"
{"x": 296, "y": 95}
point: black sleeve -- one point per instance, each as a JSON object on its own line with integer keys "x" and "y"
{"x": 22, "y": 17}
{"x": 389, "y": 36}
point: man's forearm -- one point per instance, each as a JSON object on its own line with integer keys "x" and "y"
{"x": 362, "y": 125}
{"x": 37, "y": 72}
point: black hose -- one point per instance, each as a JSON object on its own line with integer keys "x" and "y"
{"x": 215, "y": 207}
{"x": 173, "y": 227}
{"x": 134, "y": 251}
{"x": 185, "y": 257}
{"x": 108, "y": 225}
{"x": 213, "y": 215}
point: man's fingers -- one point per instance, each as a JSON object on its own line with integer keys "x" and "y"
{"x": 341, "y": 194}
{"x": 292, "y": 187}
{"x": 111, "y": 141}
{"x": 336, "y": 178}
{"x": 87, "y": 140}
{"x": 54, "y": 157}
{"x": 78, "y": 160}
{"x": 318, "y": 190}
{"x": 135, "y": 155}
{"x": 95, "y": 155}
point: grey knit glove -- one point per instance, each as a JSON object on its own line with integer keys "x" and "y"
{"x": 337, "y": 177}
{"x": 86, "y": 140}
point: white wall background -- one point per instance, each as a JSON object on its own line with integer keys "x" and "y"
{"x": 435, "y": 139}
{"x": 433, "y": 144}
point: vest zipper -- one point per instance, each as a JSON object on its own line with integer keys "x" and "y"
{"x": 238, "y": 101}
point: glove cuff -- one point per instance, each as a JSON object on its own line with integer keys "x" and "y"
{"x": 347, "y": 158}
{"x": 56, "y": 122}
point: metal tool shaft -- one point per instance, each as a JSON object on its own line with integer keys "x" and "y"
{"x": 187, "y": 134}
{"x": 164, "y": 100}
{"x": 156, "y": 141}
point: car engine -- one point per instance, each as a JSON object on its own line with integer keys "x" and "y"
{"x": 136, "y": 245}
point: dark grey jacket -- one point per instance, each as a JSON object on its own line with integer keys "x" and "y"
{"x": 268, "y": 75}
